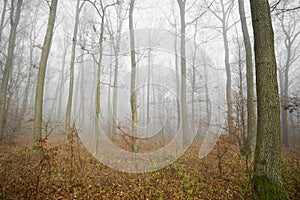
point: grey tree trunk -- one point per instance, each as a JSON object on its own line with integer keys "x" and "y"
{"x": 61, "y": 84}
{"x": 251, "y": 125}
{"x": 109, "y": 107}
{"x": 72, "y": 64}
{"x": 134, "y": 116}
{"x": 38, "y": 111}
{"x": 228, "y": 81}
{"x": 28, "y": 83}
{"x": 82, "y": 92}
{"x": 2, "y": 19}
{"x": 116, "y": 52}
{"x": 148, "y": 90}
{"x": 9, "y": 61}
{"x": 223, "y": 17}
{"x": 291, "y": 36}
{"x": 184, "y": 116}
{"x": 266, "y": 179}
{"x": 99, "y": 64}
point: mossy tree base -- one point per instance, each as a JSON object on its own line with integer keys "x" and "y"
{"x": 264, "y": 189}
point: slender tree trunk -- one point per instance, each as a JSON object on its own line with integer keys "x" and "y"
{"x": 115, "y": 90}
{"x": 242, "y": 127}
{"x": 116, "y": 53}
{"x": 148, "y": 90}
{"x": 109, "y": 107}
{"x": 285, "y": 95}
{"x": 134, "y": 116}
{"x": 9, "y": 61}
{"x": 266, "y": 180}
{"x": 28, "y": 82}
{"x": 98, "y": 109}
{"x": 38, "y": 113}
{"x": 82, "y": 91}
{"x": 72, "y": 64}
{"x": 61, "y": 84}
{"x": 2, "y": 19}
{"x": 184, "y": 116}
{"x": 284, "y": 107}
{"x": 194, "y": 76}
{"x": 228, "y": 82}
{"x": 251, "y": 125}
{"x": 177, "y": 80}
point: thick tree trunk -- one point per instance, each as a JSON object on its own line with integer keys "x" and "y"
{"x": 38, "y": 112}
{"x": 266, "y": 179}
{"x": 9, "y": 61}
{"x": 251, "y": 125}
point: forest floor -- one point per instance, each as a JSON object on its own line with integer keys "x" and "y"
{"x": 69, "y": 171}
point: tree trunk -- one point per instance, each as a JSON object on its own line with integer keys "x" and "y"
{"x": 266, "y": 180}
{"x": 251, "y": 125}
{"x": 9, "y": 61}
{"x": 228, "y": 82}
{"x": 2, "y": 19}
{"x": 134, "y": 117}
{"x": 109, "y": 107}
{"x": 61, "y": 84}
{"x": 148, "y": 90}
{"x": 82, "y": 92}
{"x": 72, "y": 64}
{"x": 115, "y": 90}
{"x": 98, "y": 109}
{"x": 184, "y": 116}
{"x": 38, "y": 112}
{"x": 28, "y": 83}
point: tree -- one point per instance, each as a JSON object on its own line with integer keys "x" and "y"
{"x": 72, "y": 64}
{"x": 289, "y": 26}
{"x": 250, "y": 143}
{"x": 266, "y": 179}
{"x": 14, "y": 21}
{"x": 2, "y": 19}
{"x": 101, "y": 12}
{"x": 38, "y": 110}
{"x": 116, "y": 40}
{"x": 223, "y": 17}
{"x": 184, "y": 116}
{"x": 134, "y": 117}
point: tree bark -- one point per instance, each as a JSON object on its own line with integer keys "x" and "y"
{"x": 72, "y": 64}
{"x": 38, "y": 112}
{"x": 184, "y": 116}
{"x": 134, "y": 117}
{"x": 266, "y": 180}
{"x": 98, "y": 91}
{"x": 251, "y": 125}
